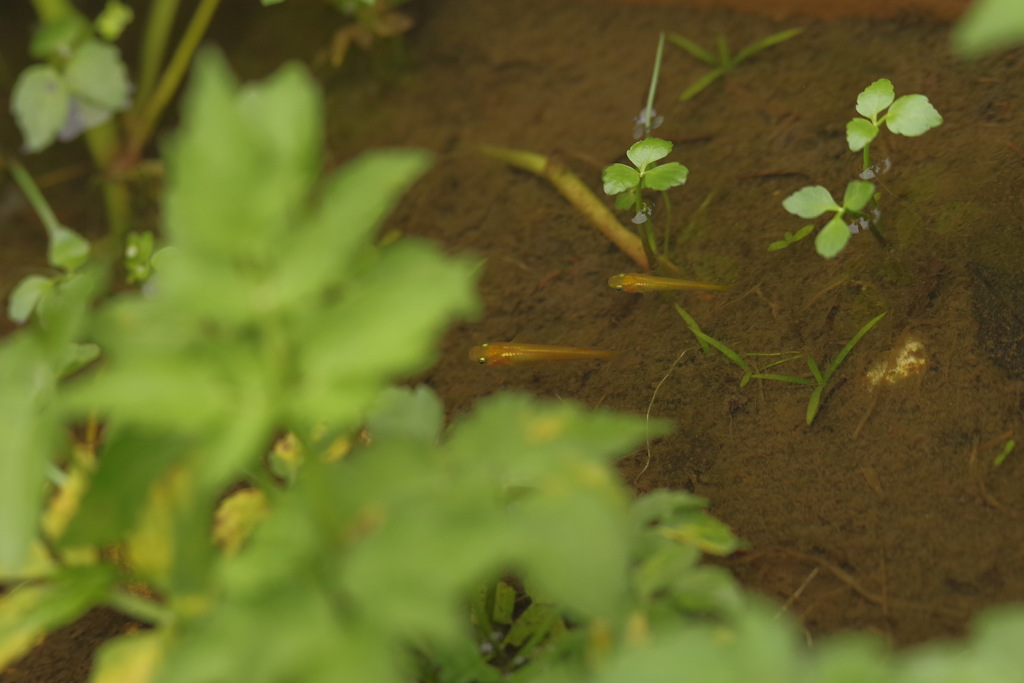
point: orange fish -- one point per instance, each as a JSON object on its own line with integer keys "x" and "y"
{"x": 642, "y": 283}
{"x": 512, "y": 353}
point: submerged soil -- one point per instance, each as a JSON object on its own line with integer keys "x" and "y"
{"x": 886, "y": 514}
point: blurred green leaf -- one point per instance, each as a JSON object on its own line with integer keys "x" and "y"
{"x": 988, "y": 26}
{"x": 29, "y": 432}
{"x": 40, "y": 102}
{"x": 411, "y": 413}
{"x": 97, "y": 74}
{"x": 113, "y": 20}
{"x": 26, "y": 295}
{"x": 131, "y": 658}
{"x": 29, "y": 611}
{"x": 67, "y": 249}
{"x": 130, "y": 460}
{"x": 59, "y": 38}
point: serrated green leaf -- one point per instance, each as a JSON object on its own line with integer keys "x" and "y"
{"x": 97, "y": 74}
{"x": 647, "y": 151}
{"x": 40, "y": 102}
{"x": 875, "y": 98}
{"x": 859, "y": 133}
{"x": 26, "y": 295}
{"x": 858, "y": 194}
{"x": 665, "y": 176}
{"x": 832, "y": 238}
{"x": 810, "y": 202}
{"x": 67, "y": 249}
{"x": 912, "y": 115}
{"x": 619, "y": 178}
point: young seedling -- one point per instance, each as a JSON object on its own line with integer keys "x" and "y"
{"x": 724, "y": 62}
{"x": 627, "y": 184}
{"x": 814, "y": 200}
{"x": 909, "y": 115}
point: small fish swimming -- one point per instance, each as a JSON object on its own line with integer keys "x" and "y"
{"x": 642, "y": 283}
{"x": 512, "y": 353}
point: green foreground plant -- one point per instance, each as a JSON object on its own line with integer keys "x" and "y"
{"x": 724, "y": 62}
{"x": 818, "y": 381}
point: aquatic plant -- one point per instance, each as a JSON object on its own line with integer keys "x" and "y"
{"x": 909, "y": 115}
{"x": 818, "y": 380}
{"x": 724, "y": 62}
{"x": 814, "y": 200}
{"x": 627, "y": 184}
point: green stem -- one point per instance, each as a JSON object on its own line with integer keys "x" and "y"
{"x": 34, "y": 196}
{"x": 151, "y": 111}
{"x": 867, "y": 157}
{"x": 154, "y": 46}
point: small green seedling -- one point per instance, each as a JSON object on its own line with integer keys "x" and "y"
{"x": 814, "y": 200}
{"x": 627, "y": 184}
{"x": 818, "y": 380}
{"x": 909, "y": 115}
{"x": 724, "y": 62}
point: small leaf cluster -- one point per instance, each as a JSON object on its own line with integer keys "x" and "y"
{"x": 81, "y": 83}
{"x": 814, "y": 200}
{"x": 909, "y": 115}
{"x": 627, "y": 183}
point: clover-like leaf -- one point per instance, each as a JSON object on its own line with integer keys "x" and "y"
{"x": 648, "y": 150}
{"x": 832, "y": 238}
{"x": 810, "y": 202}
{"x": 859, "y": 133}
{"x": 666, "y": 176}
{"x": 912, "y": 115}
{"x": 618, "y": 178}
{"x": 875, "y": 98}
{"x": 858, "y": 194}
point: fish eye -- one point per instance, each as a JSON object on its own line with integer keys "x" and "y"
{"x": 481, "y": 360}
{"x": 618, "y": 288}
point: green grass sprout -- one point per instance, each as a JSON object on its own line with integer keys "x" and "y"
{"x": 814, "y": 200}
{"x": 818, "y": 381}
{"x": 724, "y": 61}
{"x": 999, "y": 459}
